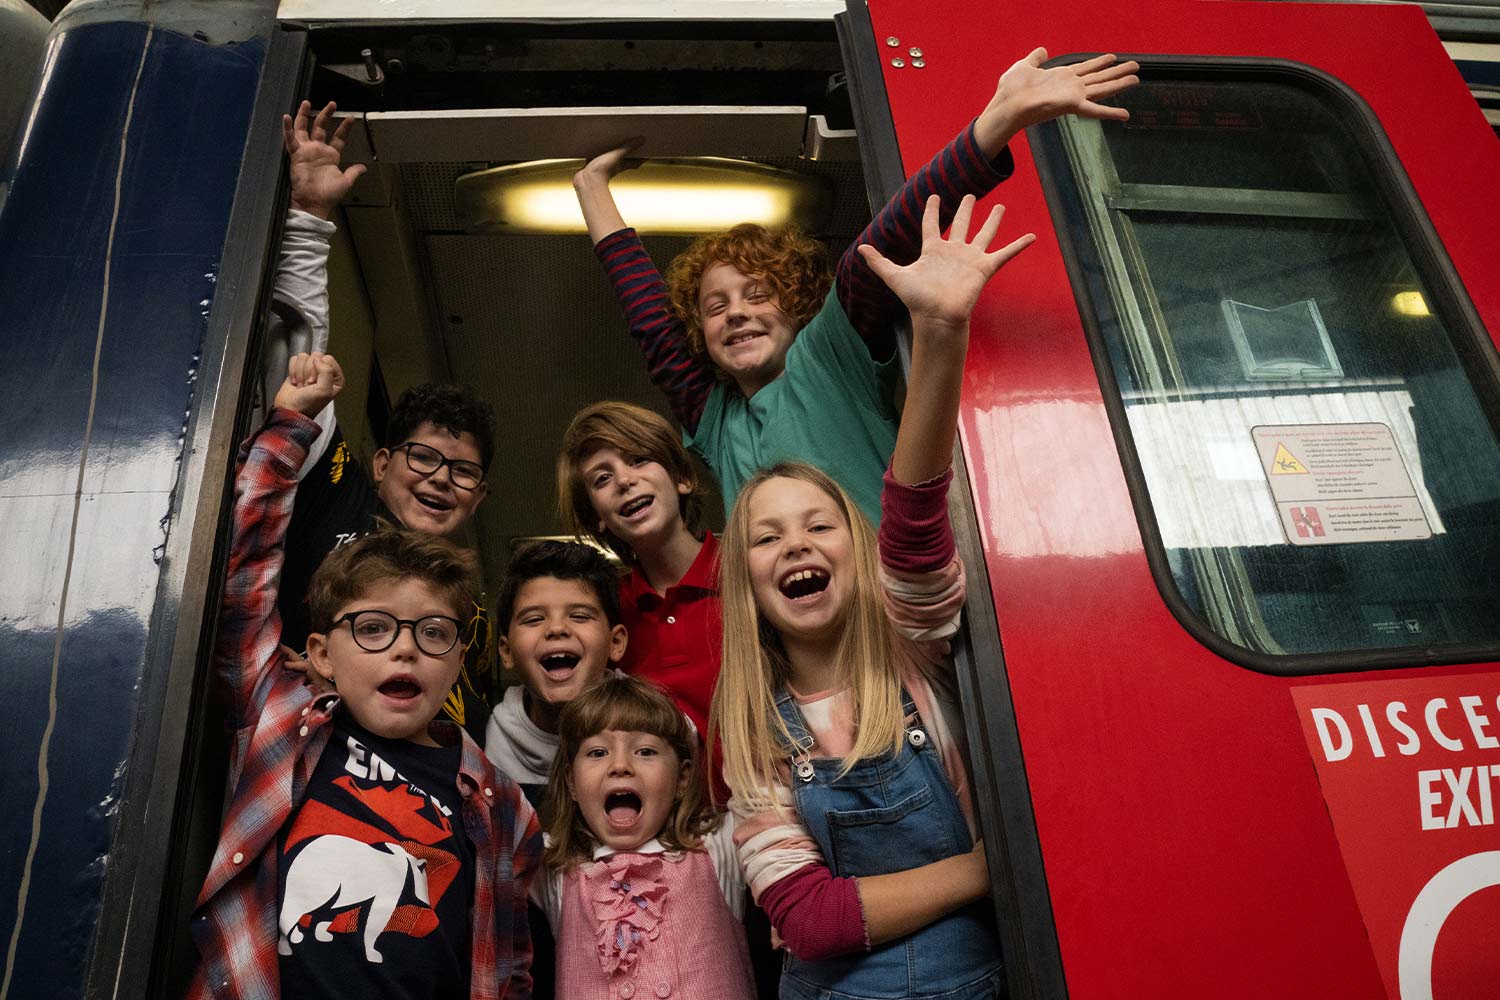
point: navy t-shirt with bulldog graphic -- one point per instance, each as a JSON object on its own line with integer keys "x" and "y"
{"x": 377, "y": 874}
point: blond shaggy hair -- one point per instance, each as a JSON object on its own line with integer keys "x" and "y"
{"x": 744, "y": 720}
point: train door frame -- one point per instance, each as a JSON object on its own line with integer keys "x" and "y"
{"x": 1033, "y": 958}
{"x": 146, "y": 905}
{"x": 167, "y": 830}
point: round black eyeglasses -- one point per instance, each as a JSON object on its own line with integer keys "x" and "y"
{"x": 425, "y": 461}
{"x": 376, "y": 631}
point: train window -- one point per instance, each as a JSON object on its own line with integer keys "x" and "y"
{"x": 1303, "y": 396}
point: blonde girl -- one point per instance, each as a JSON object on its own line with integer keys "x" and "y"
{"x": 840, "y": 732}
{"x": 641, "y": 886}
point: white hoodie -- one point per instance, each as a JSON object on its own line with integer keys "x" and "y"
{"x": 515, "y": 745}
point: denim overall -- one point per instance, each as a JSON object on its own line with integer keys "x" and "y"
{"x": 888, "y": 815}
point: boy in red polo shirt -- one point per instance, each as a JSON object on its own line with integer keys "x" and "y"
{"x": 625, "y": 480}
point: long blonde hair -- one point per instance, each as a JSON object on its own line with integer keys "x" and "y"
{"x": 744, "y": 718}
{"x": 632, "y": 705}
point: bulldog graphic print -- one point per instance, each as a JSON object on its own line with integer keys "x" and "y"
{"x": 371, "y": 866}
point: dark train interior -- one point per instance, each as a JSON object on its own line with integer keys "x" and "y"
{"x": 529, "y": 320}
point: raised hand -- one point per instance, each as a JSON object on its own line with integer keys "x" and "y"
{"x": 600, "y": 213}
{"x": 941, "y": 286}
{"x": 606, "y": 165}
{"x": 1027, "y": 94}
{"x": 318, "y": 184}
{"x": 312, "y": 381}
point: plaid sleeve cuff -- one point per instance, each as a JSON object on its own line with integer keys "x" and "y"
{"x": 285, "y": 438}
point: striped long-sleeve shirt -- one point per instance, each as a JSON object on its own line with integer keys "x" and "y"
{"x": 281, "y": 729}
{"x": 960, "y": 168}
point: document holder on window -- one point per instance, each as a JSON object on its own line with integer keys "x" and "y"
{"x": 1286, "y": 343}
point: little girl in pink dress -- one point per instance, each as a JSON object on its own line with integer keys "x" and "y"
{"x": 641, "y": 884}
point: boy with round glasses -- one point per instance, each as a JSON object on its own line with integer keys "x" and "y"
{"x": 369, "y": 847}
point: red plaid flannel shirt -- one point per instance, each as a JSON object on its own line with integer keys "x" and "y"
{"x": 280, "y": 731}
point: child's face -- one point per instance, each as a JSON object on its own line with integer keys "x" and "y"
{"x": 744, "y": 330}
{"x": 625, "y": 784}
{"x": 559, "y": 639}
{"x": 429, "y": 501}
{"x": 397, "y": 691}
{"x": 635, "y": 498}
{"x": 801, "y": 558}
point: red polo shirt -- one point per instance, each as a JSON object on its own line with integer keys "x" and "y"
{"x": 675, "y": 638}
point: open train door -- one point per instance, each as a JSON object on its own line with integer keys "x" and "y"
{"x": 1234, "y": 512}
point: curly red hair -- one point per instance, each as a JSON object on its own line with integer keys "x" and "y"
{"x": 793, "y": 264}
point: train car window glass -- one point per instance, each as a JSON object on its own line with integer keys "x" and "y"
{"x": 1301, "y": 392}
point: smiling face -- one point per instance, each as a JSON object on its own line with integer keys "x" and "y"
{"x": 801, "y": 559}
{"x": 561, "y": 641}
{"x": 744, "y": 330}
{"x": 635, "y": 498}
{"x": 394, "y": 693}
{"x": 625, "y": 784}
{"x": 429, "y": 502}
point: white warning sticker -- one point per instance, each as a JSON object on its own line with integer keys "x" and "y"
{"x": 1336, "y": 483}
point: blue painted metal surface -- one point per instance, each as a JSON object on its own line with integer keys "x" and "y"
{"x": 115, "y": 205}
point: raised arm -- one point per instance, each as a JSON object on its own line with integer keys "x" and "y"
{"x": 921, "y": 575}
{"x": 265, "y": 485}
{"x": 973, "y": 163}
{"x": 940, "y": 290}
{"x": 299, "y": 297}
{"x": 684, "y": 379}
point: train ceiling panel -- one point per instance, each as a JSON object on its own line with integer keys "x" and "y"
{"x": 543, "y": 133}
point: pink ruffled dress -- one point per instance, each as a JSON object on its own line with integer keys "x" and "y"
{"x": 649, "y": 926}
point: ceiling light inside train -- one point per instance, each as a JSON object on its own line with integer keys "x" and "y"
{"x": 1410, "y": 303}
{"x": 662, "y": 196}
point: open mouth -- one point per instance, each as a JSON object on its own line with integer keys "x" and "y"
{"x": 741, "y": 338}
{"x": 622, "y": 808}
{"x": 401, "y": 688}
{"x": 803, "y": 583}
{"x": 555, "y": 663}
{"x": 433, "y": 504}
{"x": 634, "y": 507}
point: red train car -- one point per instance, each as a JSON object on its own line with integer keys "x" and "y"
{"x": 1253, "y": 695}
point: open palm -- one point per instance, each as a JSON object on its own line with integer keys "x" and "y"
{"x": 318, "y": 183}
{"x": 943, "y": 284}
{"x": 1033, "y": 94}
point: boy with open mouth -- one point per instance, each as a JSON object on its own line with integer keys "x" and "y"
{"x": 559, "y": 607}
{"x": 626, "y": 481}
{"x": 369, "y": 848}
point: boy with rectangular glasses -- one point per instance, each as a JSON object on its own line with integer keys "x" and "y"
{"x": 429, "y": 475}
